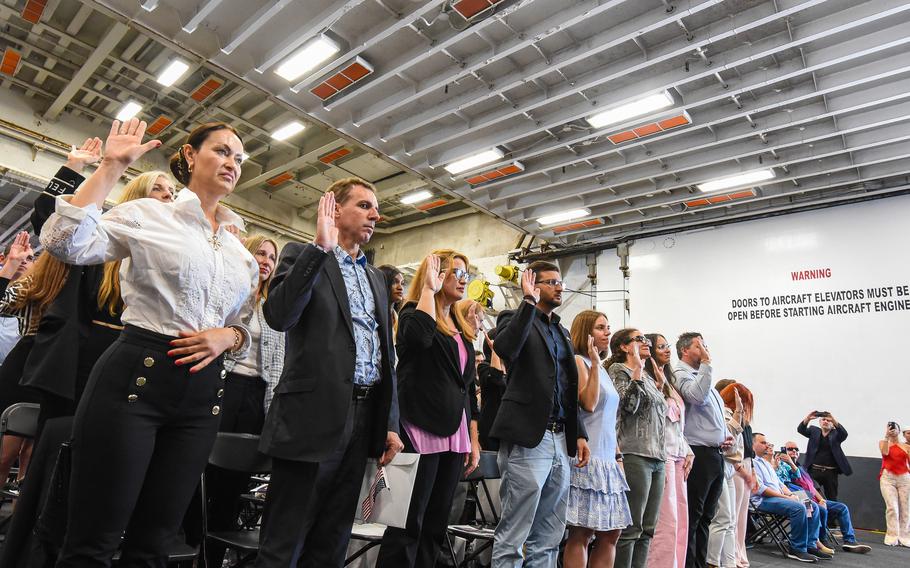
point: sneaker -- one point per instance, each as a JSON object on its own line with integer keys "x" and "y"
{"x": 856, "y": 547}
{"x": 819, "y": 554}
{"x": 794, "y": 554}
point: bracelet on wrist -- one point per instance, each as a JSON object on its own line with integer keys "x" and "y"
{"x": 238, "y": 340}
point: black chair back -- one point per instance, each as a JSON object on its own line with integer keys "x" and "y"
{"x": 487, "y": 468}
{"x": 20, "y": 419}
{"x": 239, "y": 452}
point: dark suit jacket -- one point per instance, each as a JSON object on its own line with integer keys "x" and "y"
{"x": 835, "y": 437}
{"x": 432, "y": 390}
{"x": 531, "y": 380}
{"x": 492, "y": 385}
{"x": 54, "y": 361}
{"x": 308, "y": 300}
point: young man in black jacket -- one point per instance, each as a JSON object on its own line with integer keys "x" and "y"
{"x": 537, "y": 425}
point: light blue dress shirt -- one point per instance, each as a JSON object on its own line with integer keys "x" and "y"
{"x": 363, "y": 316}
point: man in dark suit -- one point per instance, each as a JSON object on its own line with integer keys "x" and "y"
{"x": 825, "y": 459}
{"x": 537, "y": 425}
{"x": 336, "y": 403}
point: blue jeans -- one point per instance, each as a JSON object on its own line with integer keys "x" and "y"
{"x": 803, "y": 529}
{"x": 840, "y": 512}
{"x": 534, "y": 492}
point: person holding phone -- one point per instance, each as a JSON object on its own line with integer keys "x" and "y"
{"x": 825, "y": 459}
{"x": 894, "y": 481}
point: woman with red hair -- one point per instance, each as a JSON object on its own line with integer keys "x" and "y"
{"x": 738, "y": 403}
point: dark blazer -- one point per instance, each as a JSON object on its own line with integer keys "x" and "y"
{"x": 492, "y": 384}
{"x": 432, "y": 390}
{"x": 530, "y": 381}
{"x": 54, "y": 362}
{"x": 835, "y": 437}
{"x": 308, "y": 300}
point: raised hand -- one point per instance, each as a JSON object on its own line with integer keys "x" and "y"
{"x": 738, "y": 402}
{"x": 593, "y": 352}
{"x": 658, "y": 373}
{"x": 433, "y": 279}
{"x": 19, "y": 251}
{"x": 87, "y": 154}
{"x": 475, "y": 315}
{"x": 704, "y": 355}
{"x": 21, "y": 248}
{"x": 326, "y": 231}
{"x": 124, "y": 143}
{"x": 529, "y": 285}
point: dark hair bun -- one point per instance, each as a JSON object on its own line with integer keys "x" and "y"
{"x": 179, "y": 168}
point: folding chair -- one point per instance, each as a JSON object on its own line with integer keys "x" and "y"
{"x": 484, "y": 529}
{"x": 20, "y": 419}
{"x": 371, "y": 533}
{"x": 770, "y": 525}
{"x": 235, "y": 452}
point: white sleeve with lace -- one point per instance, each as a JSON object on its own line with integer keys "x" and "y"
{"x": 82, "y": 236}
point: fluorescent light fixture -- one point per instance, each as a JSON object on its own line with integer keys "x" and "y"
{"x": 737, "y": 180}
{"x": 172, "y": 72}
{"x": 149, "y": 5}
{"x": 472, "y": 162}
{"x": 636, "y": 108}
{"x": 308, "y": 57}
{"x": 416, "y": 197}
{"x": 564, "y": 216}
{"x": 129, "y": 110}
{"x": 288, "y": 130}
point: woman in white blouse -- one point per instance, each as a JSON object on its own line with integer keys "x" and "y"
{"x": 149, "y": 415}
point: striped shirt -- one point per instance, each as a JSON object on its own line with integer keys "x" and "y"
{"x": 29, "y": 314}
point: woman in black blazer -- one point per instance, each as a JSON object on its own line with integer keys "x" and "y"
{"x": 438, "y": 403}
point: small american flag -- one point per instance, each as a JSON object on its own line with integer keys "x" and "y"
{"x": 379, "y": 483}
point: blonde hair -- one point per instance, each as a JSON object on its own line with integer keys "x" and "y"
{"x": 252, "y": 244}
{"x": 446, "y": 264}
{"x": 43, "y": 282}
{"x": 462, "y": 308}
{"x": 109, "y": 289}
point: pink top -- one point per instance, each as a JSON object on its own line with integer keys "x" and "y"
{"x": 459, "y": 442}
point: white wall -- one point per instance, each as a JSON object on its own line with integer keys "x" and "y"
{"x": 851, "y": 365}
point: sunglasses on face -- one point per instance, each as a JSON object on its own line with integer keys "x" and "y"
{"x": 792, "y": 449}
{"x": 641, "y": 339}
{"x": 551, "y": 282}
{"x": 459, "y": 273}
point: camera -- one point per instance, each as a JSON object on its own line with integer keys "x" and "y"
{"x": 892, "y": 425}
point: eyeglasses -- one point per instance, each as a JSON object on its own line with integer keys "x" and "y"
{"x": 551, "y": 282}
{"x": 641, "y": 339}
{"x": 662, "y": 346}
{"x": 459, "y": 274}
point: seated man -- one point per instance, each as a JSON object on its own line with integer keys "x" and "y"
{"x": 773, "y": 497}
{"x": 800, "y": 480}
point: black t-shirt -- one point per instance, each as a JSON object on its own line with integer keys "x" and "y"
{"x": 823, "y": 455}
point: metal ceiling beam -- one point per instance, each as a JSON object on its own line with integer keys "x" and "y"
{"x": 795, "y": 163}
{"x": 598, "y": 43}
{"x": 712, "y": 126}
{"x": 316, "y": 25}
{"x": 709, "y": 97}
{"x": 439, "y": 45}
{"x": 201, "y": 13}
{"x": 839, "y": 182}
{"x": 311, "y": 150}
{"x": 634, "y": 87}
{"x": 110, "y": 40}
{"x": 799, "y": 170}
{"x": 701, "y": 147}
{"x": 251, "y": 26}
{"x": 362, "y": 45}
